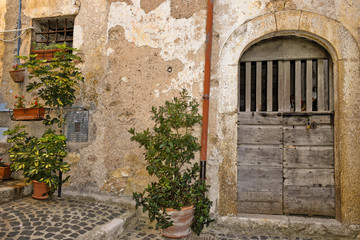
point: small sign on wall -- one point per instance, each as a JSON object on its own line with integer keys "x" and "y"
{"x": 77, "y": 126}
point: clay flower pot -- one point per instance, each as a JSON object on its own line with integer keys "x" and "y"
{"x": 17, "y": 75}
{"x": 28, "y": 114}
{"x": 5, "y": 172}
{"x": 40, "y": 190}
{"x": 47, "y": 54}
{"x": 181, "y": 222}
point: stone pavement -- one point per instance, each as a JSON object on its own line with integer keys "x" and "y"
{"x": 254, "y": 228}
{"x": 102, "y": 218}
{"x": 61, "y": 218}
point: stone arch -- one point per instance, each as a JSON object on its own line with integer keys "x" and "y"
{"x": 344, "y": 50}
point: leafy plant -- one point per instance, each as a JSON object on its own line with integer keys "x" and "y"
{"x": 42, "y": 46}
{"x": 20, "y": 102}
{"x": 169, "y": 150}
{"x": 18, "y": 66}
{"x": 2, "y": 164}
{"x": 39, "y": 158}
{"x": 36, "y": 103}
{"x": 55, "y": 81}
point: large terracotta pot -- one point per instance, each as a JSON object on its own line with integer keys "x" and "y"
{"x": 40, "y": 190}
{"x": 28, "y": 114}
{"x": 17, "y": 75}
{"x": 181, "y": 222}
{"x": 5, "y": 173}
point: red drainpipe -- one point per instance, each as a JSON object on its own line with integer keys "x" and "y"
{"x": 206, "y": 96}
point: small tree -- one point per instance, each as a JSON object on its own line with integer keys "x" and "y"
{"x": 55, "y": 81}
{"x": 169, "y": 150}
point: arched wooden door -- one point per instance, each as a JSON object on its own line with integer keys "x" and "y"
{"x": 285, "y": 129}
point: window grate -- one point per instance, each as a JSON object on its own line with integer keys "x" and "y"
{"x": 54, "y": 30}
{"x": 285, "y": 86}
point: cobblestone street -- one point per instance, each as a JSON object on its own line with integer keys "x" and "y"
{"x": 28, "y": 219}
{"x": 85, "y": 219}
{"x": 145, "y": 230}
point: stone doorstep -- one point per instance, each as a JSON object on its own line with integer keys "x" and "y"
{"x": 286, "y": 226}
{"x": 14, "y": 189}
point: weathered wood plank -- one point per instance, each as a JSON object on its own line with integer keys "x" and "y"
{"x": 298, "y": 86}
{"x": 326, "y": 84}
{"x": 309, "y": 85}
{"x": 309, "y": 177}
{"x": 286, "y": 99}
{"x": 331, "y": 87}
{"x": 299, "y": 135}
{"x": 309, "y": 157}
{"x": 267, "y": 155}
{"x": 260, "y": 196}
{"x": 259, "y": 179}
{"x": 253, "y": 118}
{"x": 260, "y": 207}
{"x": 252, "y": 173}
{"x": 258, "y": 85}
{"x": 269, "y": 134}
{"x": 309, "y": 200}
{"x": 302, "y": 121}
{"x": 269, "y": 86}
{"x": 248, "y": 87}
{"x": 280, "y": 86}
{"x": 321, "y": 85}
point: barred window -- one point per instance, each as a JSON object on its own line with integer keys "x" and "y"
{"x": 54, "y": 30}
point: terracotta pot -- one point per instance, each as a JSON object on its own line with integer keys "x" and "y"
{"x": 17, "y": 75}
{"x": 45, "y": 54}
{"x": 28, "y": 114}
{"x": 181, "y": 222}
{"x": 40, "y": 190}
{"x": 5, "y": 173}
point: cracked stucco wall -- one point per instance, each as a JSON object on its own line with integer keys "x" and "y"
{"x": 138, "y": 53}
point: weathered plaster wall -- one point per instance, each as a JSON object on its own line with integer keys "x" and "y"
{"x": 327, "y": 22}
{"x": 137, "y": 53}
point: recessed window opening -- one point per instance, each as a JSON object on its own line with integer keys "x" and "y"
{"x": 54, "y": 30}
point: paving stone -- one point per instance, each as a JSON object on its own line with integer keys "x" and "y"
{"x": 11, "y": 234}
{"x": 24, "y": 238}
{"x": 26, "y": 233}
{"x": 38, "y": 233}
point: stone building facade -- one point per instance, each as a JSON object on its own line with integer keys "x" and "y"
{"x": 138, "y": 53}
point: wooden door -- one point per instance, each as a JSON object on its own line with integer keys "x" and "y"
{"x": 285, "y": 137}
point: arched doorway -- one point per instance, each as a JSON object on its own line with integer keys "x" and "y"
{"x": 285, "y": 129}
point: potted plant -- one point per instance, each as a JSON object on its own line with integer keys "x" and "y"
{"x": 35, "y": 112}
{"x": 43, "y": 51}
{"x": 55, "y": 82}
{"x": 169, "y": 150}
{"x": 18, "y": 73}
{"x": 39, "y": 158}
{"x": 5, "y": 171}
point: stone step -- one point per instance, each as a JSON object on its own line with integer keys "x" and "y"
{"x": 14, "y": 189}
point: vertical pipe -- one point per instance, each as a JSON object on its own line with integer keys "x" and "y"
{"x": 18, "y": 32}
{"x": 206, "y": 97}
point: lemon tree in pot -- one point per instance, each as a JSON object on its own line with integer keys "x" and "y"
{"x": 169, "y": 152}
